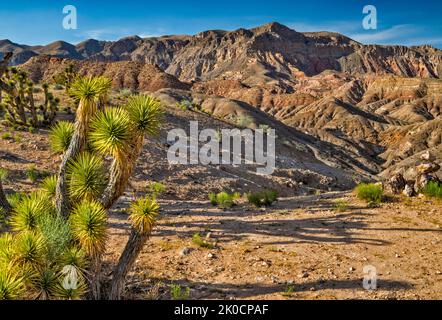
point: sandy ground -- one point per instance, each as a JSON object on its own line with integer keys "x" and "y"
{"x": 301, "y": 248}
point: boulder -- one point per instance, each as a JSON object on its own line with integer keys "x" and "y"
{"x": 408, "y": 190}
{"x": 396, "y": 183}
{"x": 428, "y": 167}
{"x": 427, "y": 156}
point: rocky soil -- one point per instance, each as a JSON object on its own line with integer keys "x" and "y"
{"x": 302, "y": 248}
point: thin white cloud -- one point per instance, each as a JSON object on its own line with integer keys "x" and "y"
{"x": 344, "y": 27}
{"x": 404, "y": 34}
{"x": 395, "y": 33}
{"x": 115, "y": 34}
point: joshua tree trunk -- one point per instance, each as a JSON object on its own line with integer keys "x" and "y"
{"x": 4, "y": 204}
{"x": 133, "y": 248}
{"x": 120, "y": 173}
{"x": 32, "y": 109}
{"x": 95, "y": 278}
{"x": 76, "y": 146}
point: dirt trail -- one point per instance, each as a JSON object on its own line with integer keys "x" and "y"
{"x": 301, "y": 248}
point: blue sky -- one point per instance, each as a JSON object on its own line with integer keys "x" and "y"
{"x": 40, "y": 22}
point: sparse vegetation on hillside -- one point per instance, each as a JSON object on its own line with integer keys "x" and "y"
{"x": 177, "y": 292}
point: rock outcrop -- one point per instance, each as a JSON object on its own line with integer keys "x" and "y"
{"x": 125, "y": 74}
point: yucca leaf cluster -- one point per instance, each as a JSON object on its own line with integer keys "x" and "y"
{"x": 39, "y": 247}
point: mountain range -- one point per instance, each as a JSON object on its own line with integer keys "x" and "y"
{"x": 379, "y": 106}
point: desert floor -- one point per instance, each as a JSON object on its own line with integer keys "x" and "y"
{"x": 301, "y": 248}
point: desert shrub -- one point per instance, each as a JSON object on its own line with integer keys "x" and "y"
{"x": 185, "y": 105}
{"x": 262, "y": 198}
{"x": 264, "y": 127}
{"x": 179, "y": 293}
{"x": 32, "y": 173}
{"x": 340, "y": 206}
{"x": 126, "y": 92}
{"x": 224, "y": 200}
{"x": 198, "y": 240}
{"x": 156, "y": 188}
{"x": 60, "y": 136}
{"x": 212, "y": 198}
{"x": 244, "y": 121}
{"x": 3, "y": 174}
{"x": 17, "y": 138}
{"x": 432, "y": 189}
{"x": 369, "y": 192}
{"x": 6, "y": 136}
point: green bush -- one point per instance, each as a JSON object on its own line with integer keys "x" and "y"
{"x": 433, "y": 189}
{"x": 340, "y": 206}
{"x": 126, "y": 92}
{"x": 224, "y": 200}
{"x": 3, "y": 174}
{"x": 179, "y": 293}
{"x": 32, "y": 173}
{"x": 369, "y": 192}
{"x": 244, "y": 121}
{"x": 156, "y": 188}
{"x": 263, "y": 198}
{"x": 198, "y": 240}
{"x": 6, "y": 136}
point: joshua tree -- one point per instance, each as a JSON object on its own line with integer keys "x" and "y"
{"x": 18, "y": 97}
{"x": 115, "y": 132}
{"x": 87, "y": 92}
{"x": 84, "y": 190}
{"x": 67, "y": 77}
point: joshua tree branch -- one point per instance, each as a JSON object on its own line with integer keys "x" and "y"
{"x": 127, "y": 259}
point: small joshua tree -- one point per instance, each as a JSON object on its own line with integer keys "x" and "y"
{"x": 67, "y": 77}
